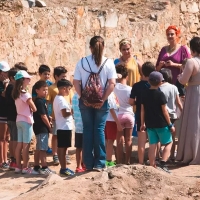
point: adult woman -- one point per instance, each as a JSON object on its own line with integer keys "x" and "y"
{"x": 172, "y": 56}
{"x": 129, "y": 61}
{"x": 189, "y": 135}
{"x": 94, "y": 119}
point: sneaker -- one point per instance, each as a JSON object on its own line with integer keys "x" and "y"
{"x": 5, "y": 165}
{"x": 68, "y": 159}
{"x": 99, "y": 169}
{"x": 46, "y": 171}
{"x": 29, "y": 170}
{"x": 164, "y": 168}
{"x": 56, "y": 160}
{"x": 66, "y": 172}
{"x": 110, "y": 164}
{"x": 49, "y": 150}
{"x": 12, "y": 165}
{"x": 18, "y": 170}
{"x": 79, "y": 170}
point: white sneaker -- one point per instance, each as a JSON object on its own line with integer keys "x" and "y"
{"x": 29, "y": 170}
{"x": 17, "y": 170}
{"x": 46, "y": 171}
{"x": 68, "y": 159}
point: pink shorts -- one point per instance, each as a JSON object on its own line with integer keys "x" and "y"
{"x": 126, "y": 120}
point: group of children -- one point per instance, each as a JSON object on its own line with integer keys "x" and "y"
{"x": 52, "y": 107}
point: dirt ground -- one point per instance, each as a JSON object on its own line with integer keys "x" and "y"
{"x": 121, "y": 182}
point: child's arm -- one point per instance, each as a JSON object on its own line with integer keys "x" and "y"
{"x": 167, "y": 118}
{"x": 31, "y": 104}
{"x": 178, "y": 102}
{"x": 143, "y": 127}
{"x": 65, "y": 113}
{"x": 131, "y": 101}
{"x": 119, "y": 127}
{"x": 46, "y": 121}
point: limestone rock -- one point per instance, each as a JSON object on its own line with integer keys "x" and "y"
{"x": 193, "y": 7}
{"x": 193, "y": 28}
{"x": 183, "y": 6}
{"x": 111, "y": 19}
{"x": 40, "y": 3}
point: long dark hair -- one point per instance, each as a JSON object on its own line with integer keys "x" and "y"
{"x": 97, "y": 46}
{"x": 17, "y": 88}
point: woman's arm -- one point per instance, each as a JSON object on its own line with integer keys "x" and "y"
{"x": 77, "y": 87}
{"x": 109, "y": 89}
{"x": 31, "y": 104}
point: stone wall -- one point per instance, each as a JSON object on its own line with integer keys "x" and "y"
{"x": 60, "y": 36}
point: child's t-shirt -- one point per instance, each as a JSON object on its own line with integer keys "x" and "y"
{"x": 10, "y": 104}
{"x": 153, "y": 101}
{"x": 52, "y": 92}
{"x": 171, "y": 92}
{"x": 77, "y": 114}
{"x": 24, "y": 112}
{"x": 123, "y": 94}
{"x": 113, "y": 104}
{"x": 136, "y": 93}
{"x": 62, "y": 123}
{"x": 39, "y": 126}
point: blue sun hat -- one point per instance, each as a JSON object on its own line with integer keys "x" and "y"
{"x": 21, "y": 74}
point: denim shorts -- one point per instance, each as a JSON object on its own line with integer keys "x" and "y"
{"x": 162, "y": 135}
{"x": 42, "y": 141}
{"x": 13, "y": 130}
{"x": 25, "y": 131}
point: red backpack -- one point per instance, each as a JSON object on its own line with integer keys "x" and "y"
{"x": 92, "y": 93}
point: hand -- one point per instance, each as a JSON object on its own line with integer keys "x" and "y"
{"x": 142, "y": 128}
{"x": 161, "y": 64}
{"x": 50, "y": 119}
{"x": 169, "y": 63}
{"x": 99, "y": 105}
{"x": 50, "y": 130}
{"x": 172, "y": 129}
{"x": 119, "y": 127}
{"x": 2, "y": 77}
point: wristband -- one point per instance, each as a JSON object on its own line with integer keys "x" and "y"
{"x": 170, "y": 125}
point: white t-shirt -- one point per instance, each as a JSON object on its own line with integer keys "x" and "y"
{"x": 108, "y": 71}
{"x": 62, "y": 123}
{"x": 113, "y": 104}
{"x": 171, "y": 92}
{"x": 123, "y": 94}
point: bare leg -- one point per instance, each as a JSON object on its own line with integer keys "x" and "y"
{"x": 109, "y": 149}
{"x": 54, "y": 145}
{"x": 128, "y": 144}
{"x": 152, "y": 154}
{"x": 25, "y": 154}
{"x": 18, "y": 153}
{"x": 62, "y": 157}
{"x": 3, "y": 132}
{"x": 79, "y": 157}
{"x": 142, "y": 139}
{"x": 5, "y": 151}
{"x": 43, "y": 156}
{"x": 173, "y": 146}
{"x": 158, "y": 155}
{"x": 120, "y": 143}
{"x": 37, "y": 158}
{"x": 166, "y": 151}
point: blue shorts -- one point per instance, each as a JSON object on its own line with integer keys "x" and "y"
{"x": 162, "y": 135}
{"x": 42, "y": 141}
{"x": 25, "y": 132}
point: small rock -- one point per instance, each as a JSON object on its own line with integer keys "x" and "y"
{"x": 193, "y": 7}
{"x": 40, "y": 3}
{"x": 193, "y": 28}
{"x": 183, "y": 6}
{"x": 153, "y": 17}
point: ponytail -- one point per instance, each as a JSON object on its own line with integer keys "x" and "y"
{"x": 97, "y": 46}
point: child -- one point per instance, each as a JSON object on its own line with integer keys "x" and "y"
{"x": 112, "y": 126}
{"x": 11, "y": 117}
{"x": 78, "y": 133}
{"x": 4, "y": 68}
{"x": 172, "y": 96}
{"x": 135, "y": 99}
{"x": 44, "y": 73}
{"x": 64, "y": 123}
{"x": 125, "y": 115}
{"x": 155, "y": 117}
{"x": 24, "y": 121}
{"x": 41, "y": 127}
{"x": 21, "y": 66}
{"x": 59, "y": 73}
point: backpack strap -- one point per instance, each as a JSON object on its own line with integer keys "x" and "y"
{"x": 102, "y": 66}
{"x": 88, "y": 64}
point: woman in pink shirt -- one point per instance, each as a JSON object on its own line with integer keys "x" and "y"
{"x": 25, "y": 107}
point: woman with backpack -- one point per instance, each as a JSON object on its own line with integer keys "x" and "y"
{"x": 94, "y": 80}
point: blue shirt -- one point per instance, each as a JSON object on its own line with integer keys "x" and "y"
{"x": 77, "y": 114}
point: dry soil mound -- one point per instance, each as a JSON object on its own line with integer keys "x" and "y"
{"x": 122, "y": 182}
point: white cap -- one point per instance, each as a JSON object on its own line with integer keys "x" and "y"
{"x": 22, "y": 74}
{"x": 4, "y": 66}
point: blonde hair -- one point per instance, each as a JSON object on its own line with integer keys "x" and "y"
{"x": 124, "y": 42}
